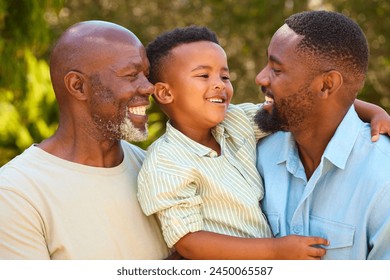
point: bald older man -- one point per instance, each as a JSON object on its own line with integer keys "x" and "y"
{"x": 73, "y": 196}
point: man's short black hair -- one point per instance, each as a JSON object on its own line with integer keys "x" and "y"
{"x": 333, "y": 39}
{"x": 160, "y": 49}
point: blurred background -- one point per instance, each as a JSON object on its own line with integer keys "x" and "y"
{"x": 29, "y": 28}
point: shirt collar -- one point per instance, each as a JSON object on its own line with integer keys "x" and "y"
{"x": 338, "y": 149}
{"x": 172, "y": 134}
{"x": 342, "y": 142}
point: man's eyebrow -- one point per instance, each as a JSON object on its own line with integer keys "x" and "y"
{"x": 275, "y": 59}
{"x": 127, "y": 67}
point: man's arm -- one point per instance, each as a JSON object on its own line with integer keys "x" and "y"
{"x": 379, "y": 228}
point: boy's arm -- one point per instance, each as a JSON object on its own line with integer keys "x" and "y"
{"x": 208, "y": 245}
{"x": 377, "y": 116}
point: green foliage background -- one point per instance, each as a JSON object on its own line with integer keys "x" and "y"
{"x": 28, "y": 29}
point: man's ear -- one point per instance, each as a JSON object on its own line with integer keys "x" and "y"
{"x": 162, "y": 94}
{"x": 75, "y": 84}
{"x": 331, "y": 83}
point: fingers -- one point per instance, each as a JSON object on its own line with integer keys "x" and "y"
{"x": 375, "y": 127}
{"x": 374, "y": 134}
{"x": 315, "y": 240}
{"x": 379, "y": 127}
{"x": 317, "y": 252}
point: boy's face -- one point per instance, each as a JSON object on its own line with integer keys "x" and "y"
{"x": 198, "y": 79}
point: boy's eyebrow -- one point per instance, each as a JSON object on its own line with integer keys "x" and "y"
{"x": 200, "y": 67}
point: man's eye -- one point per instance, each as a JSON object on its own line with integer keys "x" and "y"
{"x": 276, "y": 70}
{"x": 132, "y": 75}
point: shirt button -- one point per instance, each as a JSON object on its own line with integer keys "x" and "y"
{"x": 213, "y": 154}
{"x": 297, "y": 229}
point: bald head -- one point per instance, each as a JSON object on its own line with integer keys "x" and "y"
{"x": 82, "y": 45}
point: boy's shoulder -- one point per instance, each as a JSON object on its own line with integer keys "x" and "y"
{"x": 163, "y": 148}
{"x": 243, "y": 108}
{"x": 242, "y": 111}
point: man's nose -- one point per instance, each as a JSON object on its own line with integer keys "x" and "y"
{"x": 146, "y": 87}
{"x": 262, "y": 79}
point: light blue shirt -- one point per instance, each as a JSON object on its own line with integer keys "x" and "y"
{"x": 346, "y": 200}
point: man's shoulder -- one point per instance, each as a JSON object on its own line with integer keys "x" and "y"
{"x": 380, "y": 147}
{"x": 274, "y": 139}
{"x": 22, "y": 162}
{"x": 383, "y": 145}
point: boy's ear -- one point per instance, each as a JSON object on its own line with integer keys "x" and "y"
{"x": 162, "y": 94}
{"x": 75, "y": 83}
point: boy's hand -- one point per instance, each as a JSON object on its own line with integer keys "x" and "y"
{"x": 295, "y": 247}
{"x": 380, "y": 124}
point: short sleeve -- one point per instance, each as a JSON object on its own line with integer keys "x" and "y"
{"x": 175, "y": 201}
{"x": 21, "y": 229}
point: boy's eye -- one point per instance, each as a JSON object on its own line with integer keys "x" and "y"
{"x": 204, "y": 76}
{"x": 225, "y": 77}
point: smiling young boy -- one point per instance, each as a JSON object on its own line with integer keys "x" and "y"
{"x": 200, "y": 177}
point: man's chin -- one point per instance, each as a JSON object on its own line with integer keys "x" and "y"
{"x": 130, "y": 133}
{"x": 135, "y": 138}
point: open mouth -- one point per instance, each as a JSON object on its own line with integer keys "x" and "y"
{"x": 268, "y": 100}
{"x": 216, "y": 100}
{"x": 139, "y": 110}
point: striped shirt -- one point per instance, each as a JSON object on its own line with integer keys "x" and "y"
{"x": 192, "y": 189}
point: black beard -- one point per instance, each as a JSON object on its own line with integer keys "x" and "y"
{"x": 269, "y": 122}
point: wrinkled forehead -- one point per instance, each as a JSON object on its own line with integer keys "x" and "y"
{"x": 116, "y": 56}
{"x": 103, "y": 52}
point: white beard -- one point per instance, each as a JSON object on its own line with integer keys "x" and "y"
{"x": 130, "y": 133}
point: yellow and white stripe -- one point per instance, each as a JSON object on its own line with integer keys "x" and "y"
{"x": 192, "y": 189}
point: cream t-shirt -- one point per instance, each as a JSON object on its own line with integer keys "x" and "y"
{"x": 55, "y": 209}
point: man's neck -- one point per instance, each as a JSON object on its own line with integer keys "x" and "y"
{"x": 311, "y": 146}
{"x": 86, "y": 151}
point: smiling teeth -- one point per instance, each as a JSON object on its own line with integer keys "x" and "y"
{"x": 216, "y": 100}
{"x": 268, "y": 100}
{"x": 140, "y": 110}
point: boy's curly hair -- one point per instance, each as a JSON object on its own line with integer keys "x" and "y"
{"x": 159, "y": 50}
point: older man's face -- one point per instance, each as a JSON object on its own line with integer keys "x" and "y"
{"x": 120, "y": 93}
